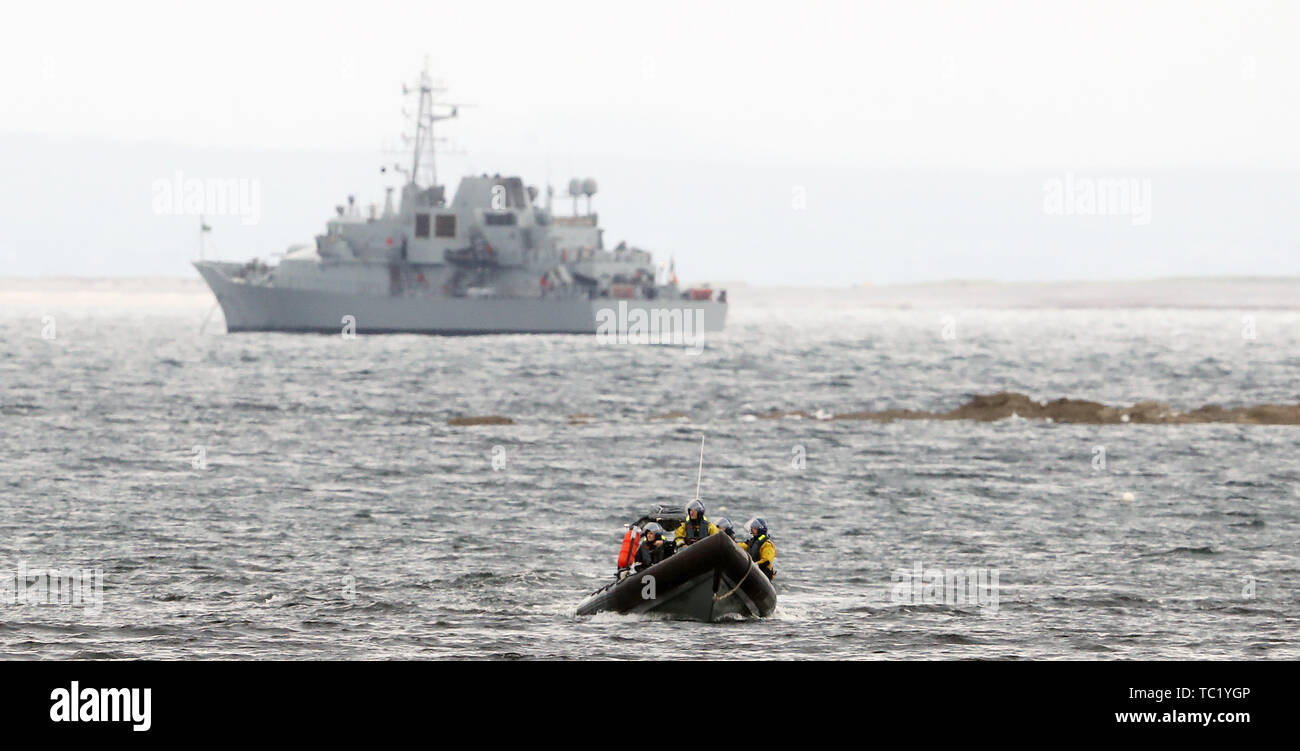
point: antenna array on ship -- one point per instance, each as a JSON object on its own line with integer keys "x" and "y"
{"x": 426, "y": 115}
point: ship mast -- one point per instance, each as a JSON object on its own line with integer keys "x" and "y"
{"x": 425, "y": 117}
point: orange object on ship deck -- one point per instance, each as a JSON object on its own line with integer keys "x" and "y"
{"x": 700, "y": 293}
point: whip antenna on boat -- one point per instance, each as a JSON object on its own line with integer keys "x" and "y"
{"x": 700, "y": 475}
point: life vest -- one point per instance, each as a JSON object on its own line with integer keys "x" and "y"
{"x": 627, "y": 553}
{"x": 756, "y": 550}
{"x": 697, "y": 530}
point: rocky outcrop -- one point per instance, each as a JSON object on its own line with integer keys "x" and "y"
{"x": 1002, "y": 405}
{"x": 484, "y": 420}
{"x": 777, "y": 414}
{"x": 986, "y": 407}
{"x": 1263, "y": 414}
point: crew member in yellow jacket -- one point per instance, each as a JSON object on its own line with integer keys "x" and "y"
{"x": 696, "y": 527}
{"x": 760, "y": 547}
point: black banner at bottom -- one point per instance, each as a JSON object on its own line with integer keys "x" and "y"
{"x": 213, "y": 701}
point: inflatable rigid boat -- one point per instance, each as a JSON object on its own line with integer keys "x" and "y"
{"x": 707, "y": 581}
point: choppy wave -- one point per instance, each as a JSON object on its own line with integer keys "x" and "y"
{"x": 311, "y": 497}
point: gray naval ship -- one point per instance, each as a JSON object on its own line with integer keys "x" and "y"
{"x": 493, "y": 260}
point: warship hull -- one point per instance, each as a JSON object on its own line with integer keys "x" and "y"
{"x": 251, "y": 307}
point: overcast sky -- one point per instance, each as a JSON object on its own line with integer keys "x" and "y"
{"x": 567, "y": 88}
